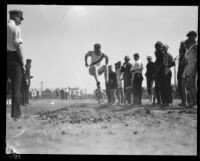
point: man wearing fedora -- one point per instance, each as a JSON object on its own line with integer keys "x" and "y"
{"x": 15, "y": 60}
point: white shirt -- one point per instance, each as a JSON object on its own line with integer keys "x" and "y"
{"x": 95, "y": 57}
{"x": 119, "y": 76}
{"x": 137, "y": 66}
{"x": 191, "y": 58}
{"x": 13, "y": 35}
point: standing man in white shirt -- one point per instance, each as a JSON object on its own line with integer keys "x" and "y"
{"x": 15, "y": 61}
{"x": 137, "y": 79}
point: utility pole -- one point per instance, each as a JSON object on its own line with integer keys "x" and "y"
{"x": 41, "y": 88}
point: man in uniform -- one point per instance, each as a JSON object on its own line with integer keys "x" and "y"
{"x": 15, "y": 60}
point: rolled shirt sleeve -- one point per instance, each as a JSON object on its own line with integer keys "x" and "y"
{"x": 13, "y": 36}
{"x": 17, "y": 36}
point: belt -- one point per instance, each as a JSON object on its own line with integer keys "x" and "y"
{"x": 8, "y": 51}
{"x": 12, "y": 57}
{"x": 137, "y": 73}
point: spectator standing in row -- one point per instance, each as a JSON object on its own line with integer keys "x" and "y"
{"x": 158, "y": 74}
{"x": 15, "y": 61}
{"x": 127, "y": 79}
{"x": 112, "y": 81}
{"x": 66, "y": 93}
{"x": 119, "y": 92}
{"x": 137, "y": 79}
{"x": 62, "y": 94}
{"x": 164, "y": 61}
{"x": 168, "y": 62}
{"x": 190, "y": 70}
{"x": 150, "y": 81}
{"x": 26, "y": 82}
{"x": 33, "y": 93}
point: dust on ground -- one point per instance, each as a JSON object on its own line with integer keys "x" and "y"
{"x": 85, "y": 127}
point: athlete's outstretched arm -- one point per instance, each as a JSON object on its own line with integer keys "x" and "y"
{"x": 106, "y": 59}
{"x": 86, "y": 56}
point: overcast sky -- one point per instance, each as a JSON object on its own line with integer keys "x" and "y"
{"x": 57, "y": 37}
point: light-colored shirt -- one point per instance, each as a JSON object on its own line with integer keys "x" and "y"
{"x": 95, "y": 57}
{"x": 137, "y": 67}
{"x": 191, "y": 59}
{"x": 13, "y": 35}
{"x": 119, "y": 78}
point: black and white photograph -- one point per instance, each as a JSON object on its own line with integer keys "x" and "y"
{"x": 102, "y": 79}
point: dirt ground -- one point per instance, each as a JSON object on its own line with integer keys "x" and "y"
{"x": 85, "y": 127}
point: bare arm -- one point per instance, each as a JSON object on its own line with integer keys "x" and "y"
{"x": 182, "y": 49}
{"x": 106, "y": 59}
{"x": 20, "y": 54}
{"x": 86, "y": 57}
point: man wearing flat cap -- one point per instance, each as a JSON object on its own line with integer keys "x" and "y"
{"x": 15, "y": 61}
{"x": 187, "y": 70}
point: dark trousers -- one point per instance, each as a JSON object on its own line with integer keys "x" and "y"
{"x": 26, "y": 95}
{"x": 108, "y": 93}
{"x": 165, "y": 87}
{"x": 14, "y": 73}
{"x": 149, "y": 85}
{"x": 157, "y": 91}
{"x": 162, "y": 85}
{"x": 22, "y": 97}
{"x": 127, "y": 93}
{"x": 137, "y": 88}
{"x": 169, "y": 88}
{"x": 112, "y": 95}
{"x": 179, "y": 78}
